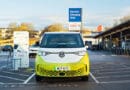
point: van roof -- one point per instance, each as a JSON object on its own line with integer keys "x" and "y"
{"x": 62, "y": 33}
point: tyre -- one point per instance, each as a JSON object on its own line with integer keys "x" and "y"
{"x": 84, "y": 78}
{"x": 38, "y": 78}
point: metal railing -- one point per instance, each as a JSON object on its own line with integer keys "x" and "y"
{"x": 120, "y": 51}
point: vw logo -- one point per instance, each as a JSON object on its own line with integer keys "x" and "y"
{"x": 61, "y": 54}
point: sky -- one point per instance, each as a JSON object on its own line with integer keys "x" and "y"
{"x": 42, "y": 13}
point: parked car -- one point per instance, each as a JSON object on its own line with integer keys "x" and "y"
{"x": 1, "y": 48}
{"x": 7, "y": 48}
{"x": 62, "y": 54}
{"x": 33, "y": 50}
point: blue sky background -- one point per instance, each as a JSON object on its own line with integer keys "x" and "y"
{"x": 45, "y": 12}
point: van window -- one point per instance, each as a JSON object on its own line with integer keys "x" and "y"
{"x": 62, "y": 41}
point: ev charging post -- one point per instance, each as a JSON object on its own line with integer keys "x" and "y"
{"x": 21, "y": 50}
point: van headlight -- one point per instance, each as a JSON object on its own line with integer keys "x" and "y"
{"x": 41, "y": 53}
{"x": 81, "y": 53}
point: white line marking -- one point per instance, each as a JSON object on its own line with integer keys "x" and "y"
{"x": 11, "y": 78}
{"x": 117, "y": 76}
{"x": 15, "y": 73}
{"x": 103, "y": 55}
{"x": 113, "y": 72}
{"x": 17, "y": 84}
{"x": 1, "y": 83}
{"x": 113, "y": 55}
{"x": 94, "y": 78}
{"x": 123, "y": 81}
{"x": 4, "y": 66}
{"x": 28, "y": 79}
{"x": 4, "y": 53}
{"x": 115, "y": 69}
{"x": 125, "y": 66}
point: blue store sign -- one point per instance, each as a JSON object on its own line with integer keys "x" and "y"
{"x": 75, "y": 14}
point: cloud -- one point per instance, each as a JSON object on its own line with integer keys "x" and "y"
{"x": 125, "y": 11}
{"x": 10, "y": 18}
{"x": 55, "y": 19}
{"x": 107, "y": 19}
{"x": 104, "y": 19}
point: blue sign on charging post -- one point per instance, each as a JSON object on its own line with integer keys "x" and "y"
{"x": 75, "y": 14}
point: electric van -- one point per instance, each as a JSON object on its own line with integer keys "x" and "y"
{"x": 62, "y": 54}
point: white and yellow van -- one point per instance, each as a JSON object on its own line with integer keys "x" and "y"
{"x": 62, "y": 54}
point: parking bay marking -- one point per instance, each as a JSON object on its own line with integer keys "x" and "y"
{"x": 15, "y": 73}
{"x": 122, "y": 81}
{"x": 119, "y": 69}
{"x": 113, "y": 72}
{"x": 94, "y": 78}
{"x": 105, "y": 82}
{"x": 102, "y": 82}
{"x": 28, "y": 79}
{"x": 1, "y": 83}
{"x": 117, "y": 76}
{"x": 4, "y": 66}
{"x": 11, "y": 78}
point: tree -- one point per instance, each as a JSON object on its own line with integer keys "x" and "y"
{"x": 54, "y": 28}
{"x": 11, "y": 28}
{"x": 26, "y": 27}
{"x": 86, "y": 31}
{"x": 22, "y": 27}
{"x": 13, "y": 25}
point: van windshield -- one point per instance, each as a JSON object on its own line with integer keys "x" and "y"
{"x": 62, "y": 41}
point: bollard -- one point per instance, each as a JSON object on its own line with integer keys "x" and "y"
{"x": 121, "y": 51}
{"x": 114, "y": 50}
{"x": 129, "y": 52}
{"x": 125, "y": 51}
{"x": 16, "y": 64}
{"x": 117, "y": 51}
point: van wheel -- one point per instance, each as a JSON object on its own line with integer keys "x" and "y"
{"x": 38, "y": 78}
{"x": 84, "y": 78}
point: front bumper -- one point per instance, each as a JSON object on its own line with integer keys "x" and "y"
{"x": 77, "y": 69}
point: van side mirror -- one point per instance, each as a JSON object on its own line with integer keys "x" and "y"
{"x": 15, "y": 46}
{"x": 37, "y": 43}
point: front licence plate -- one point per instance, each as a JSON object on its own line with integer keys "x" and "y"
{"x": 62, "y": 68}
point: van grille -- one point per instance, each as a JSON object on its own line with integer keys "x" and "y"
{"x": 62, "y": 73}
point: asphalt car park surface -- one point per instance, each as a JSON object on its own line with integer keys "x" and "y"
{"x": 108, "y": 72}
{"x": 10, "y": 76}
{"x": 110, "y": 68}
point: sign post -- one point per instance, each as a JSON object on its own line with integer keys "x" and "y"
{"x": 75, "y": 19}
